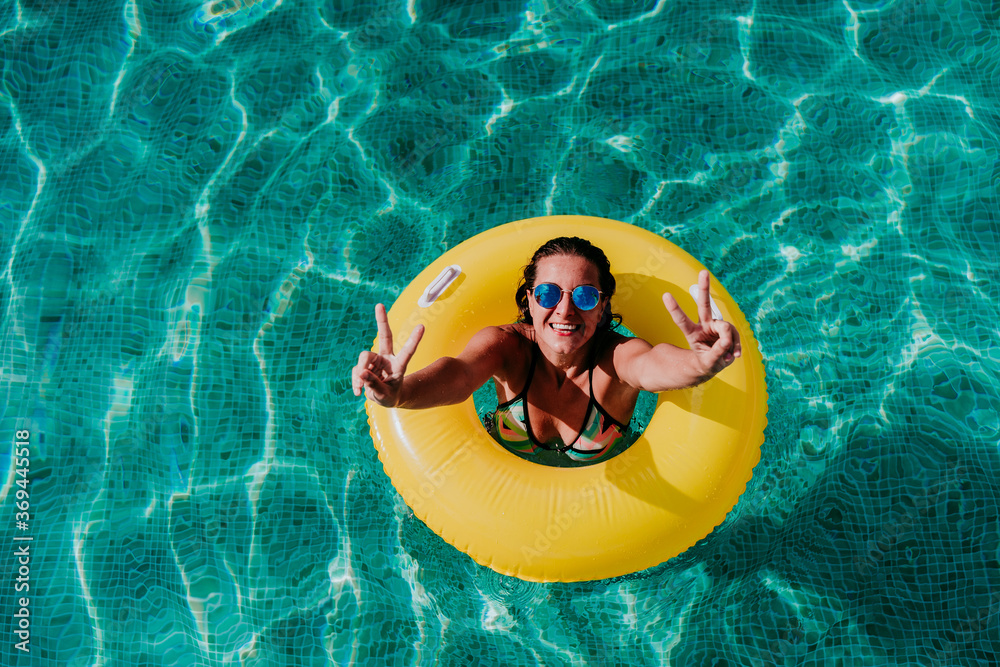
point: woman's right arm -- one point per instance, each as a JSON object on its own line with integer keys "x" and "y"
{"x": 451, "y": 380}
{"x": 446, "y": 381}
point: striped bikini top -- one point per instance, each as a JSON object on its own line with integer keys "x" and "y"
{"x": 512, "y": 429}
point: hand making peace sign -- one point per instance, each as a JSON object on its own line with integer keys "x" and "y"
{"x": 715, "y": 342}
{"x": 381, "y": 374}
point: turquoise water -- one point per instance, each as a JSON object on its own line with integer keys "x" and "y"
{"x": 201, "y": 204}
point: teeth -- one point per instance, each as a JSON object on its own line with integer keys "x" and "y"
{"x": 564, "y": 327}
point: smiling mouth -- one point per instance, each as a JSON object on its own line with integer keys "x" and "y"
{"x": 564, "y": 328}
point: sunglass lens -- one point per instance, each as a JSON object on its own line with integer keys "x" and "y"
{"x": 586, "y": 297}
{"x": 547, "y": 295}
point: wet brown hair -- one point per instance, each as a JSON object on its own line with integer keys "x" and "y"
{"x": 573, "y": 246}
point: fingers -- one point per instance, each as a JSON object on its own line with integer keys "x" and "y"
{"x": 367, "y": 360}
{"x": 370, "y": 374}
{"x": 375, "y": 388}
{"x": 723, "y": 346}
{"x": 726, "y": 348}
{"x": 376, "y": 370}
{"x": 682, "y": 321}
{"x": 411, "y": 346}
{"x": 384, "y": 332}
{"x": 704, "y": 300}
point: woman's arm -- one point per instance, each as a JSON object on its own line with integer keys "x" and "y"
{"x": 451, "y": 380}
{"x": 382, "y": 376}
{"x": 715, "y": 344}
{"x": 658, "y": 368}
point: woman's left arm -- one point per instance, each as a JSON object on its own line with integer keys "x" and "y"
{"x": 714, "y": 345}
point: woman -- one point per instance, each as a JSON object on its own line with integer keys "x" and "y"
{"x": 564, "y": 380}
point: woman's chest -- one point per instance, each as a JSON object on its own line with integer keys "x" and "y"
{"x": 558, "y": 414}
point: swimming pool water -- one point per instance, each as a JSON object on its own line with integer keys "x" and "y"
{"x": 202, "y": 202}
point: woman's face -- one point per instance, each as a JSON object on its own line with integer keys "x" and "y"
{"x": 565, "y": 328}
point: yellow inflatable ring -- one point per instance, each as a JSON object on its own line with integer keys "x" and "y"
{"x": 636, "y": 510}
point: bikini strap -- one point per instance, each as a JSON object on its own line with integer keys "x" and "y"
{"x": 523, "y": 394}
{"x": 595, "y": 355}
{"x": 591, "y": 380}
{"x": 531, "y": 370}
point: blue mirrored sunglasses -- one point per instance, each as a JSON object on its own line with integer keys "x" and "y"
{"x": 585, "y": 297}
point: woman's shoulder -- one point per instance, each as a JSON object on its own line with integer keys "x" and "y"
{"x": 613, "y": 393}
{"x": 618, "y": 349}
{"x": 507, "y": 345}
{"x": 518, "y": 334}
{"x": 614, "y": 341}
{"x": 507, "y": 340}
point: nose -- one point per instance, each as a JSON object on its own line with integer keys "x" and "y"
{"x": 565, "y": 304}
